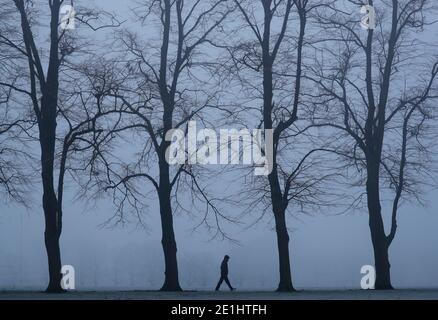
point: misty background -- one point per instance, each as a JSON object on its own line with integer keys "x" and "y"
{"x": 327, "y": 249}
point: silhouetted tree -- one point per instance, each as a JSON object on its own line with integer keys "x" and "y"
{"x": 39, "y": 83}
{"x": 377, "y": 88}
{"x": 164, "y": 95}
{"x": 278, "y": 48}
{"x": 45, "y": 111}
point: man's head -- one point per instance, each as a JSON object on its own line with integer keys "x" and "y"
{"x": 227, "y": 257}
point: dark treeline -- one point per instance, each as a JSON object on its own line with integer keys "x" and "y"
{"x": 350, "y": 108}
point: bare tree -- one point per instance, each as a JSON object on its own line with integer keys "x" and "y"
{"x": 377, "y": 90}
{"x": 39, "y": 83}
{"x": 276, "y": 50}
{"x": 164, "y": 95}
{"x": 45, "y": 112}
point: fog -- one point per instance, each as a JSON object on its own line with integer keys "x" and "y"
{"x": 327, "y": 249}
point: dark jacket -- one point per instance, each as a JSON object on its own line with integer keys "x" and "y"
{"x": 224, "y": 268}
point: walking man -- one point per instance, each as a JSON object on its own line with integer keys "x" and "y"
{"x": 224, "y": 274}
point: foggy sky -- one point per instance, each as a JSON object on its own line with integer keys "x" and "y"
{"x": 327, "y": 250}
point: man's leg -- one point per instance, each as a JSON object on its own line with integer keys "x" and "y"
{"x": 228, "y": 283}
{"x": 219, "y": 283}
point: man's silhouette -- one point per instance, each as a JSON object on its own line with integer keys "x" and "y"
{"x": 224, "y": 274}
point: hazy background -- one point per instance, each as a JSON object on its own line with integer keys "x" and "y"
{"x": 327, "y": 250}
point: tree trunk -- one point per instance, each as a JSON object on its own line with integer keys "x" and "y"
{"x": 46, "y": 115}
{"x": 381, "y": 258}
{"x": 171, "y": 281}
{"x": 53, "y": 225}
{"x": 285, "y": 284}
{"x": 54, "y": 260}
{"x": 378, "y": 235}
{"x": 47, "y": 128}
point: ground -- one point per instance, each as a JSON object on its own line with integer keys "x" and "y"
{"x": 428, "y": 294}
